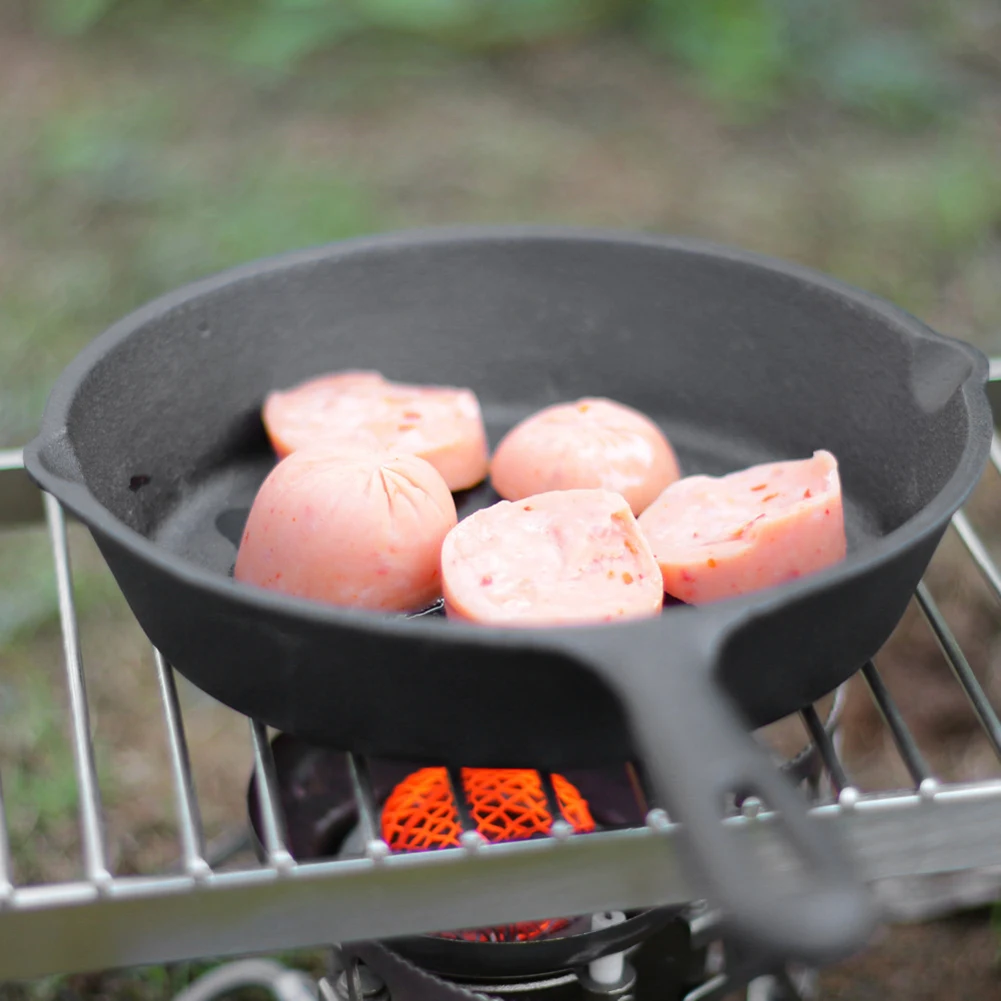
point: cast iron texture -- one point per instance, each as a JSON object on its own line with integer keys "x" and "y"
{"x": 153, "y": 438}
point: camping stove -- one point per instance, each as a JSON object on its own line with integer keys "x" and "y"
{"x": 651, "y": 954}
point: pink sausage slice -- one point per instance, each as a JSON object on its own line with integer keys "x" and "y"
{"x": 569, "y": 556}
{"x": 349, "y": 529}
{"x": 719, "y": 537}
{"x": 593, "y": 443}
{"x": 438, "y": 423}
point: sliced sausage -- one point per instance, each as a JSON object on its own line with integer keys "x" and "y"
{"x": 554, "y": 558}
{"x": 438, "y": 423}
{"x": 719, "y": 537}
{"x": 593, "y": 443}
{"x": 361, "y": 530}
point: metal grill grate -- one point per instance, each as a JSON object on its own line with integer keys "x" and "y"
{"x": 104, "y": 921}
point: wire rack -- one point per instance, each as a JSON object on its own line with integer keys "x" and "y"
{"x": 103, "y": 921}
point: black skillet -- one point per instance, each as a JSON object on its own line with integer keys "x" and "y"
{"x": 153, "y": 438}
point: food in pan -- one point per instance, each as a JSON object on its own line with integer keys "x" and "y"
{"x": 592, "y": 443}
{"x": 349, "y": 528}
{"x": 717, "y": 537}
{"x": 438, "y": 423}
{"x": 558, "y": 550}
{"x": 561, "y": 557}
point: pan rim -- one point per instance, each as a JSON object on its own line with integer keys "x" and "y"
{"x": 79, "y": 500}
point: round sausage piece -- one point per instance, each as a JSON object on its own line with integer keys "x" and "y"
{"x": 718, "y": 537}
{"x": 441, "y": 424}
{"x": 593, "y": 443}
{"x": 351, "y": 529}
{"x": 568, "y": 556}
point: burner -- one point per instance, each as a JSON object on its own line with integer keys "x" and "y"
{"x": 661, "y": 966}
{"x": 318, "y": 804}
{"x": 320, "y": 813}
{"x": 502, "y": 804}
{"x": 317, "y": 799}
{"x": 649, "y": 951}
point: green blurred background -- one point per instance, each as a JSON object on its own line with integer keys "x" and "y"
{"x": 144, "y": 143}
{"x": 147, "y": 142}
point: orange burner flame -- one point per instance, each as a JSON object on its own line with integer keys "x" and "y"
{"x": 506, "y": 804}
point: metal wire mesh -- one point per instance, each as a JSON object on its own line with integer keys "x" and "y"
{"x": 104, "y": 921}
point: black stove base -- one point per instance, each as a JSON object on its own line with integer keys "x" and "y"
{"x": 663, "y": 967}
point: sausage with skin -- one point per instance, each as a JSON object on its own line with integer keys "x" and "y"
{"x": 441, "y": 424}
{"x": 592, "y": 443}
{"x": 351, "y": 529}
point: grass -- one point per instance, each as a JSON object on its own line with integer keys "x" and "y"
{"x": 40, "y": 785}
{"x": 144, "y": 177}
{"x": 116, "y": 205}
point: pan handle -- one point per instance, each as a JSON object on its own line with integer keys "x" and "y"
{"x": 696, "y": 749}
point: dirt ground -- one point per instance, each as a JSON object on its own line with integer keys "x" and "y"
{"x": 952, "y": 960}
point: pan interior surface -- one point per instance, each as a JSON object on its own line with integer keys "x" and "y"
{"x": 739, "y": 361}
{"x": 206, "y": 524}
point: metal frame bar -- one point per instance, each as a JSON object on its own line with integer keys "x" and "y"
{"x": 368, "y": 811}
{"x": 559, "y": 826}
{"x": 189, "y": 818}
{"x": 6, "y": 873}
{"x": 470, "y": 838}
{"x": 825, "y": 747}
{"x": 95, "y": 852}
{"x": 906, "y": 745}
{"x": 978, "y": 552}
{"x": 102, "y": 922}
{"x": 272, "y": 817}
{"x": 961, "y": 668}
